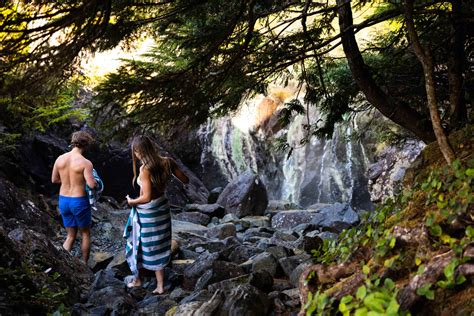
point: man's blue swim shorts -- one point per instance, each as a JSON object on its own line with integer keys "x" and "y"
{"x": 76, "y": 211}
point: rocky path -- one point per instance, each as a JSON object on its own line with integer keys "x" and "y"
{"x": 222, "y": 263}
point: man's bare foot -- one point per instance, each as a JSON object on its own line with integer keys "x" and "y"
{"x": 158, "y": 290}
{"x": 135, "y": 283}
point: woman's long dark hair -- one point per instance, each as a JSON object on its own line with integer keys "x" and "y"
{"x": 151, "y": 159}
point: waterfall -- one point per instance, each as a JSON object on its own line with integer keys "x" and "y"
{"x": 348, "y": 140}
{"x": 319, "y": 171}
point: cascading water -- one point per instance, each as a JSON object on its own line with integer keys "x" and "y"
{"x": 320, "y": 171}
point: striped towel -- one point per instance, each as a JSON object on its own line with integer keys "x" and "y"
{"x": 93, "y": 194}
{"x": 148, "y": 235}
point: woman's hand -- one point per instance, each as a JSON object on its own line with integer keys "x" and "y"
{"x": 130, "y": 200}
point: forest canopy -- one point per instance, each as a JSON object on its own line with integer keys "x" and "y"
{"x": 208, "y": 55}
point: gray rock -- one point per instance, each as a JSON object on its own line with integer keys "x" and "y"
{"x": 178, "y": 294}
{"x": 262, "y": 280}
{"x": 243, "y": 253}
{"x": 222, "y": 231}
{"x": 116, "y": 298}
{"x": 295, "y": 275}
{"x": 201, "y": 296}
{"x": 203, "y": 263}
{"x": 336, "y": 217}
{"x": 245, "y": 300}
{"x": 244, "y": 196}
{"x": 289, "y": 264}
{"x": 229, "y": 218}
{"x": 214, "y": 195}
{"x": 104, "y": 279}
{"x": 292, "y": 218}
{"x": 193, "y": 217}
{"x": 264, "y": 262}
{"x": 278, "y": 252}
{"x": 212, "y": 210}
{"x": 157, "y": 308}
{"x": 256, "y": 221}
{"x": 180, "y": 226}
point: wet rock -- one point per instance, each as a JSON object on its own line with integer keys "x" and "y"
{"x": 246, "y": 195}
{"x": 193, "y": 217}
{"x": 212, "y": 210}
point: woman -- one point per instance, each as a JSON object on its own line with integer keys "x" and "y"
{"x": 148, "y": 230}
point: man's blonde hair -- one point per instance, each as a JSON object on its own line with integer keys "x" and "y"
{"x": 81, "y": 139}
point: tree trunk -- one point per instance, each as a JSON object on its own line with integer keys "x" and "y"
{"x": 400, "y": 113}
{"x": 426, "y": 60}
{"x": 456, "y": 58}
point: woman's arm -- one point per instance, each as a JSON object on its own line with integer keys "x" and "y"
{"x": 178, "y": 173}
{"x": 145, "y": 192}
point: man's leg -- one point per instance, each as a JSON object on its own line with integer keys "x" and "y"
{"x": 86, "y": 243}
{"x": 71, "y": 237}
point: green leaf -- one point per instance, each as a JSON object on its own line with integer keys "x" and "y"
{"x": 436, "y": 230}
{"x": 389, "y": 284}
{"x": 373, "y": 303}
{"x": 362, "y": 311}
{"x": 366, "y": 269}
{"x": 470, "y": 231}
{"x": 469, "y": 172}
{"x": 361, "y": 292}
{"x": 393, "y": 307}
{"x": 392, "y": 242}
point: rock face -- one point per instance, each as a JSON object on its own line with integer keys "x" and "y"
{"x": 245, "y": 196}
{"x": 386, "y": 174}
{"x": 32, "y": 266}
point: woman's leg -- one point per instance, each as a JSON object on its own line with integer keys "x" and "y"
{"x": 135, "y": 282}
{"x": 160, "y": 279}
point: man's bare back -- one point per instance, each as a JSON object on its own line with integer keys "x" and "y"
{"x": 73, "y": 171}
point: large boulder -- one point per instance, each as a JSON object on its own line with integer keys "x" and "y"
{"x": 19, "y": 209}
{"x": 33, "y": 269}
{"x": 245, "y": 196}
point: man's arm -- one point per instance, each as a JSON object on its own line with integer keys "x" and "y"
{"x": 55, "y": 178}
{"x": 88, "y": 176}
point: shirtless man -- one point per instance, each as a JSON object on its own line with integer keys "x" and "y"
{"x": 73, "y": 172}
